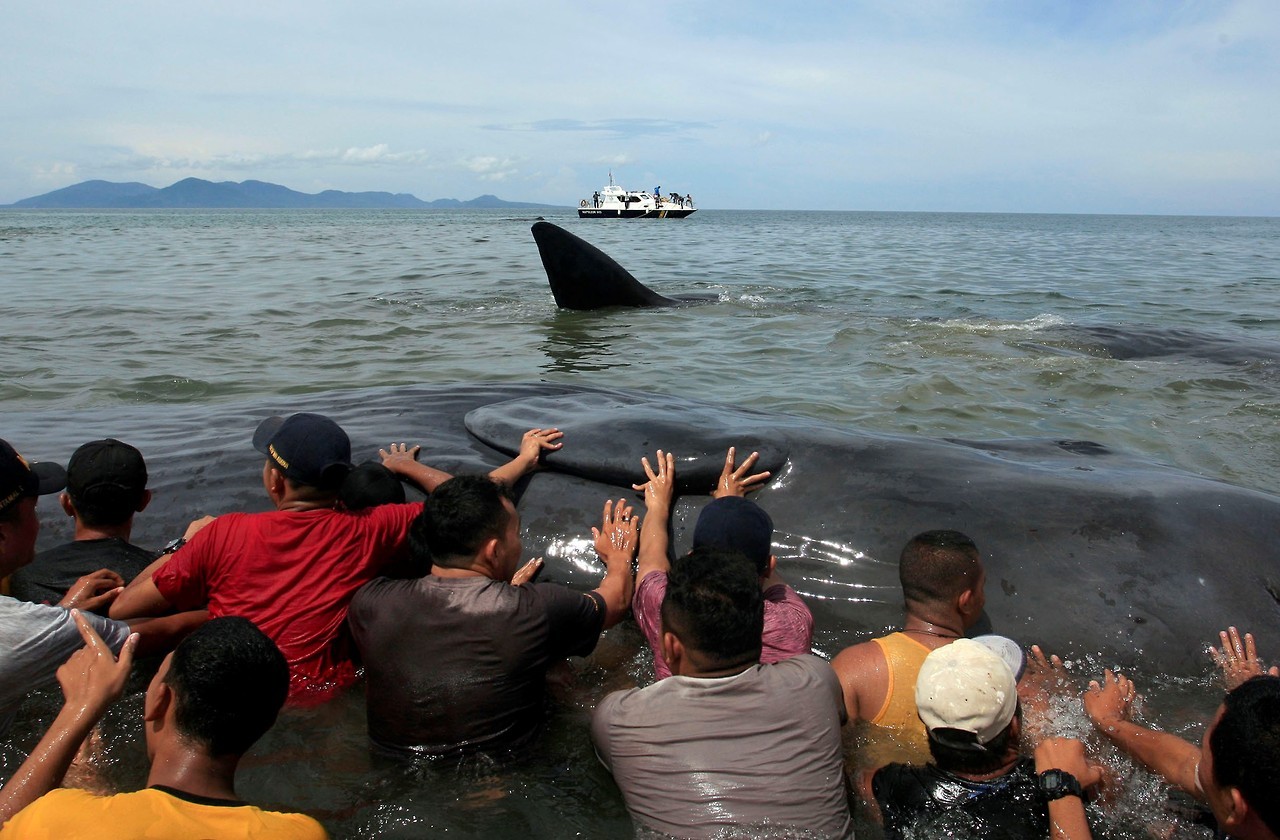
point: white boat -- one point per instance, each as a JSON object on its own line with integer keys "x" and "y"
{"x": 614, "y": 202}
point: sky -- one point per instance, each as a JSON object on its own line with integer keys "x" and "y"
{"x": 1056, "y": 106}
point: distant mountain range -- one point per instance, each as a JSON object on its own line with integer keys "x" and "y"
{"x": 198, "y": 193}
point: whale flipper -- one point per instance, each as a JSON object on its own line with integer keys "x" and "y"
{"x": 584, "y": 277}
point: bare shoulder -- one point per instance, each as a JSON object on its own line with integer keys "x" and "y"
{"x": 859, "y": 661}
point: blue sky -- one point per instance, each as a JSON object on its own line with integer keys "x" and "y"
{"x": 1103, "y": 107}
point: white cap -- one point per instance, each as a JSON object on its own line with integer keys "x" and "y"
{"x": 1008, "y": 650}
{"x": 965, "y": 686}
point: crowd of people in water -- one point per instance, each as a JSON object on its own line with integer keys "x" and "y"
{"x": 428, "y": 603}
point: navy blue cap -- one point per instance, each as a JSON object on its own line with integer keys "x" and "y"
{"x": 19, "y": 479}
{"x": 310, "y": 449}
{"x": 736, "y": 524}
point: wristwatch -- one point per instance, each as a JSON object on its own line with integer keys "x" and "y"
{"x": 1055, "y": 784}
{"x": 172, "y": 545}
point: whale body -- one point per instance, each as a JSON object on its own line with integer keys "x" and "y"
{"x": 584, "y": 277}
{"x": 1087, "y": 550}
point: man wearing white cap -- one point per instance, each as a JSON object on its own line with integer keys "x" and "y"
{"x": 978, "y": 781}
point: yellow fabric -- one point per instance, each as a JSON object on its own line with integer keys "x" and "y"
{"x": 897, "y": 733}
{"x": 151, "y": 815}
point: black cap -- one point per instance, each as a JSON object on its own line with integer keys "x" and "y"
{"x": 736, "y": 524}
{"x": 310, "y": 449}
{"x": 107, "y": 464}
{"x": 19, "y": 479}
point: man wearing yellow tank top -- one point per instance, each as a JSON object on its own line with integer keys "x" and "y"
{"x": 942, "y": 584}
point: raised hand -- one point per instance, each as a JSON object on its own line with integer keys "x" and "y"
{"x": 736, "y": 481}
{"x": 660, "y": 490}
{"x": 618, "y": 536}
{"x": 1238, "y": 659}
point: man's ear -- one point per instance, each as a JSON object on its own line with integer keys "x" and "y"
{"x": 156, "y": 704}
{"x": 487, "y": 558}
{"x": 143, "y": 502}
{"x": 1239, "y": 813}
{"x": 964, "y": 602}
{"x": 772, "y": 567}
{"x": 672, "y": 651}
{"x": 68, "y": 508}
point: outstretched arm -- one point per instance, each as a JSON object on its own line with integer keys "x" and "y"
{"x": 1109, "y": 705}
{"x": 615, "y": 542}
{"x": 402, "y": 460}
{"x": 92, "y": 679}
{"x": 659, "y": 493}
{"x": 532, "y": 445}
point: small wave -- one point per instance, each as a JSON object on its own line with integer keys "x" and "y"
{"x": 1036, "y": 324}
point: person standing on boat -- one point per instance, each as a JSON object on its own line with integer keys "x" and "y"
{"x": 595, "y": 199}
{"x": 657, "y": 196}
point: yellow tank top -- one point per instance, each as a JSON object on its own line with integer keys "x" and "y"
{"x": 896, "y": 733}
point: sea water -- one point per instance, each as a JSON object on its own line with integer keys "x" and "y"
{"x": 1156, "y": 336}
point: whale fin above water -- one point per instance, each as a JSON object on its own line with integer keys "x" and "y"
{"x": 584, "y": 277}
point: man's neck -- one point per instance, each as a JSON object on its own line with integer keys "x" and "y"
{"x": 104, "y": 532}
{"x": 932, "y": 627}
{"x": 994, "y": 774}
{"x": 452, "y": 572}
{"x": 192, "y": 771}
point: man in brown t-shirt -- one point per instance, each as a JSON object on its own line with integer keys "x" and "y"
{"x": 456, "y": 661}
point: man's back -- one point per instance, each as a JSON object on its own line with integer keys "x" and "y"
{"x": 695, "y": 755}
{"x": 457, "y": 665}
{"x": 293, "y": 574}
{"x": 924, "y": 801}
{"x": 56, "y": 570}
{"x": 788, "y": 623}
{"x": 158, "y": 813}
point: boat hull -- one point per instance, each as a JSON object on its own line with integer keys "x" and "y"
{"x": 637, "y": 213}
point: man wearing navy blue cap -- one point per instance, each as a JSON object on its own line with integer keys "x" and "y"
{"x": 291, "y": 571}
{"x": 730, "y": 522}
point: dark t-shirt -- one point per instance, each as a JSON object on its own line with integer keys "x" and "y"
{"x": 458, "y": 665}
{"x": 54, "y": 571}
{"x": 927, "y": 802}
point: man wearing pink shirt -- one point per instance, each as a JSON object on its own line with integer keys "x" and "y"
{"x": 730, "y": 522}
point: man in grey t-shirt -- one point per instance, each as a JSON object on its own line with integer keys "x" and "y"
{"x": 727, "y": 743}
{"x": 34, "y": 639}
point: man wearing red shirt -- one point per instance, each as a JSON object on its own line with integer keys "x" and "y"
{"x": 291, "y": 571}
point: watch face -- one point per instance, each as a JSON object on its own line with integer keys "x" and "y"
{"x": 1056, "y": 784}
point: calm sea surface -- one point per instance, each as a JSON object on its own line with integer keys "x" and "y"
{"x": 1159, "y": 336}
{"x": 936, "y": 324}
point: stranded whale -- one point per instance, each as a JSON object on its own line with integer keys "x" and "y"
{"x": 1087, "y": 550}
{"x": 584, "y": 277}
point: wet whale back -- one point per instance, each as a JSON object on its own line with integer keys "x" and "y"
{"x": 584, "y": 277}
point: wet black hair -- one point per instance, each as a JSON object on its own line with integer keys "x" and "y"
{"x": 714, "y": 605}
{"x": 370, "y": 484}
{"x": 457, "y": 518}
{"x": 958, "y": 751}
{"x": 229, "y": 681}
{"x": 936, "y": 566}
{"x": 1245, "y": 746}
